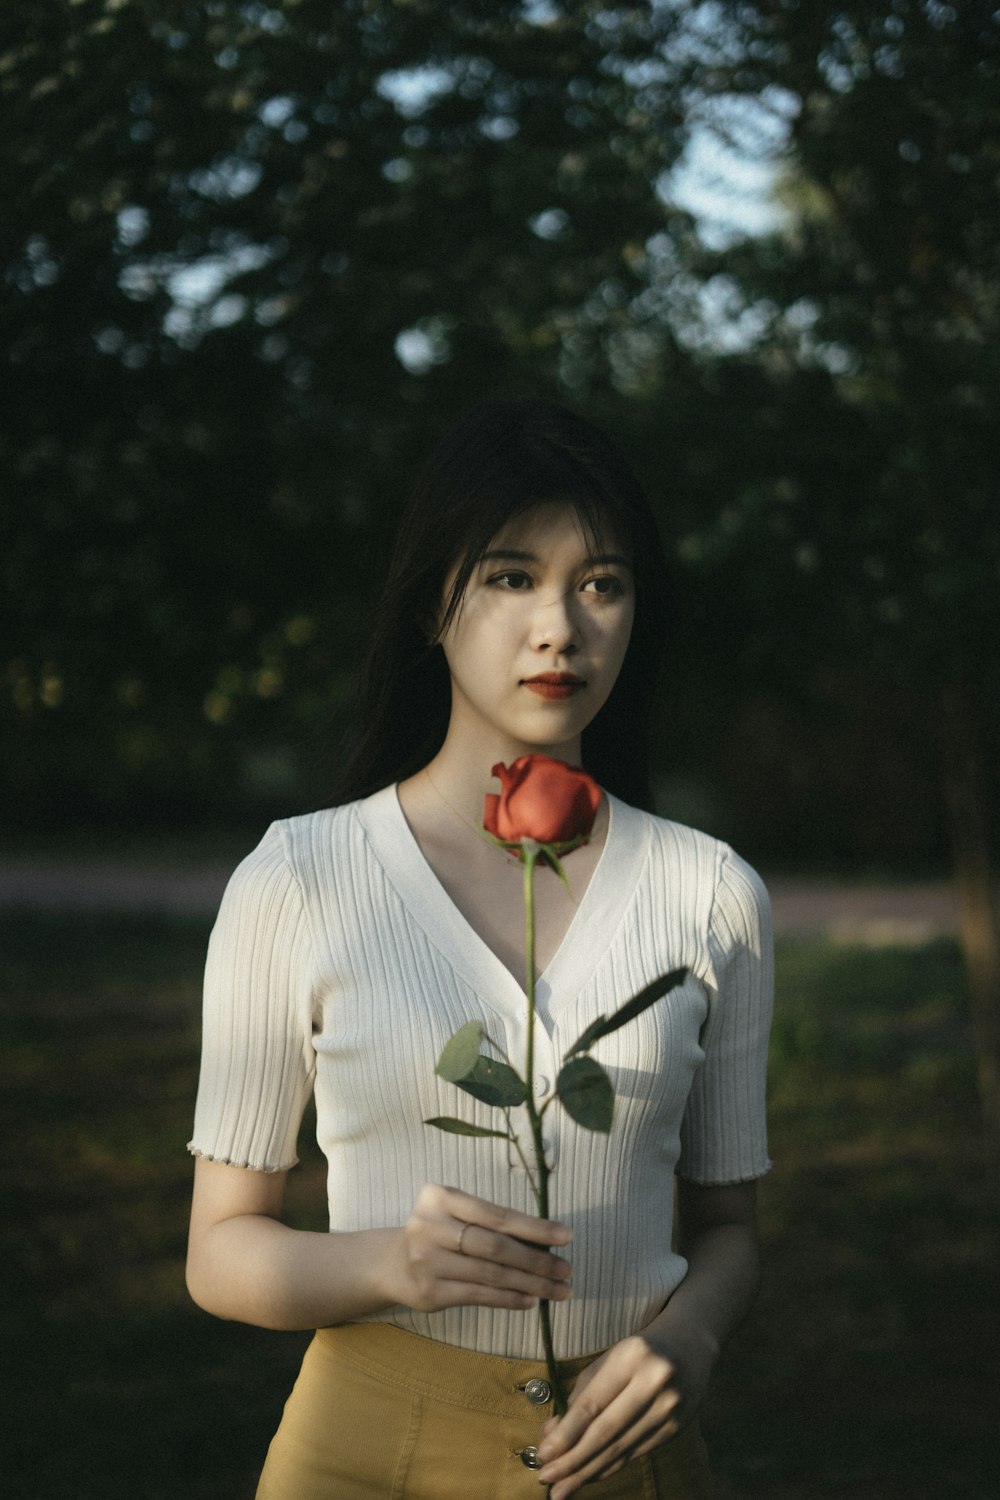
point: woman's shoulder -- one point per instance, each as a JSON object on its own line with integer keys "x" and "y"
{"x": 295, "y": 843}
{"x": 306, "y": 828}
{"x": 688, "y": 852}
{"x": 666, "y": 834}
{"x": 317, "y": 836}
{"x": 312, "y": 841}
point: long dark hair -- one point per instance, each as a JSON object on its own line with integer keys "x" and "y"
{"x": 501, "y": 459}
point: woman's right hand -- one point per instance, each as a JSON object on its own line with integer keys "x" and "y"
{"x": 456, "y": 1250}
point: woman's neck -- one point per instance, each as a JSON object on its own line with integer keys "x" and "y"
{"x": 461, "y": 778}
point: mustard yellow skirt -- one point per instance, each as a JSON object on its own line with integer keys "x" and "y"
{"x": 381, "y": 1414}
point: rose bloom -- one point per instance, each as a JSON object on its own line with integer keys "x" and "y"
{"x": 541, "y": 799}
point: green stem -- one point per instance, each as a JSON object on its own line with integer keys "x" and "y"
{"x": 515, "y": 1141}
{"x": 497, "y": 1048}
{"x": 542, "y": 1185}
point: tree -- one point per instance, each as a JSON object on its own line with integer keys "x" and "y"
{"x": 877, "y": 361}
{"x": 255, "y": 257}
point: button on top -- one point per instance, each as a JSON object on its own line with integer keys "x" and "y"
{"x": 530, "y": 1459}
{"x": 541, "y": 1084}
{"x": 538, "y": 1392}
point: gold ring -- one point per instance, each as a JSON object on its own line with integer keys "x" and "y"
{"x": 461, "y": 1237}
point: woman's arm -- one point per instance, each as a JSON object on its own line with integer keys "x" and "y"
{"x": 643, "y": 1390}
{"x": 454, "y": 1250}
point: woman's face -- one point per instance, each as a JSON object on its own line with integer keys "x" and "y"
{"x": 539, "y": 637}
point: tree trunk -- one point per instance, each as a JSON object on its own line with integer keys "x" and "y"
{"x": 976, "y": 878}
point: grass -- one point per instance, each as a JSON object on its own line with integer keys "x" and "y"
{"x": 867, "y": 1370}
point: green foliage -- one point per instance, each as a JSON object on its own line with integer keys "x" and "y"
{"x": 838, "y": 539}
{"x": 494, "y": 1083}
{"x": 460, "y": 1055}
{"x": 462, "y": 1127}
{"x": 586, "y": 1094}
{"x": 248, "y": 279}
{"x": 582, "y": 1087}
{"x": 605, "y": 1025}
{"x": 485, "y": 1078}
{"x": 255, "y": 260}
{"x": 868, "y": 391}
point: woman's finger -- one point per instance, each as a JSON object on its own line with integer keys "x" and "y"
{"x": 622, "y": 1401}
{"x": 468, "y": 1209}
{"x": 586, "y": 1426}
{"x": 507, "y": 1265}
{"x": 459, "y": 1249}
{"x": 486, "y": 1244}
{"x": 593, "y": 1458}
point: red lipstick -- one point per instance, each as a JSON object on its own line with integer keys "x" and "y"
{"x": 554, "y": 684}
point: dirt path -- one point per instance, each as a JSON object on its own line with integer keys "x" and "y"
{"x": 864, "y": 913}
{"x": 839, "y": 910}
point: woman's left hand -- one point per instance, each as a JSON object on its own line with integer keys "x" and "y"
{"x": 640, "y": 1392}
{"x": 636, "y": 1396}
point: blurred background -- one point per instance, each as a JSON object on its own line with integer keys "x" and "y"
{"x": 256, "y": 258}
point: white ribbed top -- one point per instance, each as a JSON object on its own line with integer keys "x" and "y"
{"x": 339, "y": 963}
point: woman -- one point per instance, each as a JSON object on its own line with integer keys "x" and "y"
{"x": 524, "y": 613}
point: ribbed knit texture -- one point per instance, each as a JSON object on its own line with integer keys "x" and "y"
{"x": 339, "y": 962}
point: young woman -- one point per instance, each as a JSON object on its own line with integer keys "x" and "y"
{"x": 524, "y": 612}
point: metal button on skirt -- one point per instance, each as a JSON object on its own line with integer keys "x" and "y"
{"x": 381, "y": 1414}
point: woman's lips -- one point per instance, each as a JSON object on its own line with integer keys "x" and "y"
{"x": 554, "y": 685}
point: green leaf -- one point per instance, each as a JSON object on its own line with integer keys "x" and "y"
{"x": 550, "y": 854}
{"x": 556, "y": 864}
{"x": 586, "y": 1093}
{"x": 494, "y": 1083}
{"x": 604, "y": 1025}
{"x": 460, "y": 1054}
{"x": 460, "y": 1127}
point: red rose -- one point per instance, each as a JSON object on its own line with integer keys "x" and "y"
{"x": 542, "y": 799}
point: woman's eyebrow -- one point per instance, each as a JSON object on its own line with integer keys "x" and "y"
{"x": 593, "y": 559}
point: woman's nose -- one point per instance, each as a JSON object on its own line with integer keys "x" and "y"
{"x": 554, "y": 626}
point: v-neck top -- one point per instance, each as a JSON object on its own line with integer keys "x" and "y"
{"x": 339, "y": 965}
{"x": 597, "y": 914}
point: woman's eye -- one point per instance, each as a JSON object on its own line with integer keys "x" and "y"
{"x": 511, "y": 580}
{"x": 606, "y": 587}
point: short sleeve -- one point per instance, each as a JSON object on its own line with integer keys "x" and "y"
{"x": 257, "y": 1060}
{"x": 724, "y": 1131}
